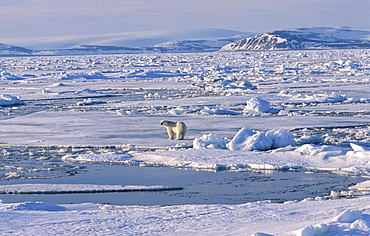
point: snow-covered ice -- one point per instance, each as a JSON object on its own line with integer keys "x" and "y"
{"x": 257, "y": 105}
{"x": 307, "y": 217}
{"x": 75, "y": 188}
{"x": 8, "y": 100}
{"x": 244, "y": 111}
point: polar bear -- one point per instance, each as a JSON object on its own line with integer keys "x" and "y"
{"x": 178, "y": 128}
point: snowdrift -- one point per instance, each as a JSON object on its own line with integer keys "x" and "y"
{"x": 247, "y": 140}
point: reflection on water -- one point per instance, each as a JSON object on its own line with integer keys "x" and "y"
{"x": 37, "y": 165}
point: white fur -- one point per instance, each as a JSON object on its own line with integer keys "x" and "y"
{"x": 178, "y": 128}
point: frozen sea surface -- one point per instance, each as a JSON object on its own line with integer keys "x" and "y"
{"x": 64, "y": 118}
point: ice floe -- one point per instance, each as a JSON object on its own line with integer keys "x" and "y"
{"x": 8, "y": 100}
{"x": 76, "y": 188}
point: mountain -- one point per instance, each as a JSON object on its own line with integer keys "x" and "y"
{"x": 303, "y": 38}
{"x": 208, "y": 45}
{"x": 200, "y": 40}
{"x": 205, "y": 45}
{"x": 205, "y": 40}
{"x": 122, "y": 39}
{"x": 8, "y": 50}
{"x": 192, "y": 45}
{"x": 88, "y": 50}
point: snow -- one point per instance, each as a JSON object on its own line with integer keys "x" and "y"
{"x": 200, "y": 40}
{"x": 238, "y": 140}
{"x": 257, "y": 105}
{"x": 320, "y": 98}
{"x": 75, "y": 188}
{"x": 210, "y": 141}
{"x": 302, "y": 38}
{"x": 311, "y": 217}
{"x": 255, "y": 111}
{"x": 246, "y": 139}
{"x": 249, "y": 140}
{"x": 281, "y": 138}
{"x": 8, "y": 100}
{"x": 209, "y": 155}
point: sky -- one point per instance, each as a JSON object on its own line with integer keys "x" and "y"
{"x": 25, "y": 19}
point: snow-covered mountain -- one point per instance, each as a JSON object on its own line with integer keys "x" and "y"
{"x": 200, "y": 40}
{"x": 205, "y": 41}
{"x": 13, "y": 50}
{"x": 206, "y": 45}
{"x": 122, "y": 39}
{"x": 303, "y": 38}
{"x": 89, "y": 50}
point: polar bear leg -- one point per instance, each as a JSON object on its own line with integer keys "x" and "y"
{"x": 180, "y": 136}
{"x": 170, "y": 133}
{"x": 180, "y": 130}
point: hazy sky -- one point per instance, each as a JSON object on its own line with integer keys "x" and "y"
{"x": 30, "y": 18}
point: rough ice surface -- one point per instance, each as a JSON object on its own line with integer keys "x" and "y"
{"x": 210, "y": 141}
{"x": 281, "y": 138}
{"x": 238, "y": 141}
{"x": 257, "y": 105}
{"x": 249, "y": 140}
{"x": 311, "y": 115}
{"x": 8, "y": 100}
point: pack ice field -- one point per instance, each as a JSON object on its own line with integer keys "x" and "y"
{"x": 245, "y": 111}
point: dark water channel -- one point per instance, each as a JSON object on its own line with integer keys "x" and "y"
{"x": 199, "y": 187}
